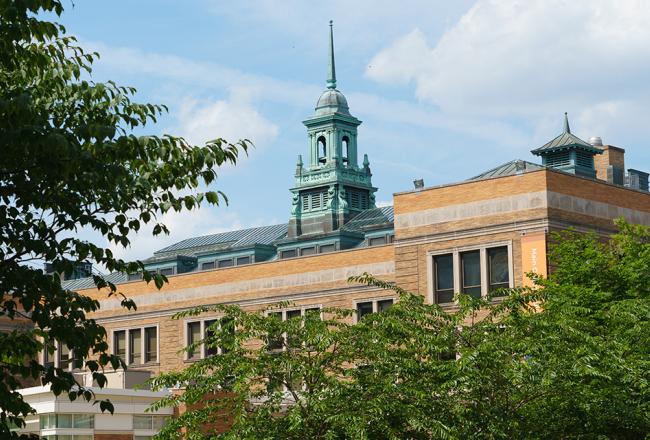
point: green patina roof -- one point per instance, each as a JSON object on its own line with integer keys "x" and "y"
{"x": 565, "y": 141}
{"x": 508, "y": 169}
{"x": 371, "y": 219}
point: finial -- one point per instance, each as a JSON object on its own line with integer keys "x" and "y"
{"x": 331, "y": 72}
{"x": 567, "y": 129}
{"x": 366, "y": 162}
{"x": 299, "y": 163}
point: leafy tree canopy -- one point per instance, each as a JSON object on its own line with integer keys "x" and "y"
{"x": 569, "y": 358}
{"x": 69, "y": 160}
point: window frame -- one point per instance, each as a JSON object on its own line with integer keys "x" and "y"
{"x": 283, "y": 311}
{"x": 202, "y": 349}
{"x": 457, "y": 270}
{"x": 127, "y": 348}
{"x": 375, "y": 307}
{"x": 55, "y": 358}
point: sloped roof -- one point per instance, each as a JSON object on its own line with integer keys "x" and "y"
{"x": 264, "y": 235}
{"x": 87, "y": 283}
{"x": 369, "y": 218}
{"x": 508, "y": 169}
{"x": 565, "y": 141}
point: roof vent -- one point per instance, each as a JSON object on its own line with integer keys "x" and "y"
{"x": 520, "y": 166}
{"x": 596, "y": 141}
{"x": 418, "y": 183}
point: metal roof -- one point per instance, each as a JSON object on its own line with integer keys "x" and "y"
{"x": 87, "y": 283}
{"x": 264, "y": 235}
{"x": 369, "y": 218}
{"x": 508, "y": 169}
{"x": 565, "y": 141}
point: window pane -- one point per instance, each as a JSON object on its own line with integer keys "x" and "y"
{"x": 313, "y": 313}
{"x": 498, "y": 267}
{"x": 158, "y": 421}
{"x": 471, "y": 264}
{"x": 64, "y": 420}
{"x": 363, "y": 309}
{"x": 243, "y": 260}
{"x": 444, "y": 278}
{"x": 209, "y": 348}
{"x": 167, "y": 271}
{"x": 84, "y": 421}
{"x": 228, "y": 334}
{"x": 275, "y": 341}
{"x": 151, "y": 344}
{"x": 308, "y": 251}
{"x": 288, "y": 254}
{"x": 135, "y": 346}
{"x": 293, "y": 314}
{"x": 142, "y": 422}
{"x": 64, "y": 355}
{"x": 376, "y": 241}
{"x": 208, "y": 265}
{"x": 48, "y": 358}
{"x": 326, "y": 248}
{"x": 119, "y": 344}
{"x": 225, "y": 263}
{"x": 193, "y": 336}
{"x": 384, "y": 305}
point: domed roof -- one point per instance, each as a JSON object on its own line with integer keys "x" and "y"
{"x": 332, "y": 101}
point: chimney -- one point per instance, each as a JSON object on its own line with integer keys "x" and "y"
{"x": 610, "y": 166}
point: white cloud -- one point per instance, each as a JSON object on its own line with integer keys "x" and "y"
{"x": 527, "y": 58}
{"x": 200, "y": 121}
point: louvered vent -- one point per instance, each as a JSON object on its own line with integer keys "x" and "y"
{"x": 585, "y": 160}
{"x": 559, "y": 159}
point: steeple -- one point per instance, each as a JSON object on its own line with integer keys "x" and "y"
{"x": 331, "y": 186}
{"x": 331, "y": 68}
{"x": 567, "y": 129}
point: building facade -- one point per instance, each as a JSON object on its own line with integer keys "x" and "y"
{"x": 473, "y": 236}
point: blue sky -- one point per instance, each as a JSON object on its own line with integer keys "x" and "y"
{"x": 445, "y": 89}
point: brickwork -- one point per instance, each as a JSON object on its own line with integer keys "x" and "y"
{"x": 111, "y": 436}
{"x": 611, "y": 156}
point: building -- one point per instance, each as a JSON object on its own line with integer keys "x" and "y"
{"x": 473, "y": 236}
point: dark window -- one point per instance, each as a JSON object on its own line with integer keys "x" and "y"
{"x": 363, "y": 309}
{"x": 275, "y": 340}
{"x": 322, "y": 149}
{"x": 308, "y": 251}
{"x": 135, "y": 344}
{"x": 225, "y": 263}
{"x": 444, "y": 278}
{"x": 345, "y": 146}
{"x": 498, "y": 267}
{"x": 327, "y": 248}
{"x": 384, "y": 304}
{"x": 167, "y": 271}
{"x": 48, "y": 358}
{"x": 315, "y": 312}
{"x": 376, "y": 241}
{"x": 134, "y": 276}
{"x": 228, "y": 334}
{"x": 208, "y": 265}
{"x": 64, "y": 356}
{"x": 471, "y": 273}
{"x": 151, "y": 344}
{"x": 119, "y": 344}
{"x": 243, "y": 260}
{"x": 288, "y": 253}
{"x": 193, "y": 336}
{"x": 210, "y": 347}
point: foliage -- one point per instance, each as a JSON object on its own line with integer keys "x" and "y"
{"x": 68, "y": 161}
{"x": 567, "y": 359}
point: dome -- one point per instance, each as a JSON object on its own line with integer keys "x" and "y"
{"x": 332, "y": 101}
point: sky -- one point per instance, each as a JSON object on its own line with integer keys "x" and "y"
{"x": 445, "y": 89}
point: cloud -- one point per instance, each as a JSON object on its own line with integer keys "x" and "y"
{"x": 200, "y": 121}
{"x": 515, "y": 58}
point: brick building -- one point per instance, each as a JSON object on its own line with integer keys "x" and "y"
{"x": 473, "y": 236}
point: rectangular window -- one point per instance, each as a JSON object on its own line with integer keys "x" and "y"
{"x": 134, "y": 276}
{"x": 193, "y": 336}
{"x": 367, "y": 307}
{"x": 142, "y": 422}
{"x": 64, "y": 420}
{"x": 243, "y": 260}
{"x": 308, "y": 251}
{"x": 167, "y": 271}
{"x": 151, "y": 344}
{"x": 48, "y": 357}
{"x": 225, "y": 263}
{"x": 83, "y": 421}
{"x": 119, "y": 344}
{"x": 210, "y": 349}
{"x": 327, "y": 248}
{"x": 290, "y": 253}
{"x": 444, "y": 278}
{"x": 64, "y": 356}
{"x": 384, "y": 305}
{"x": 498, "y": 268}
{"x": 376, "y": 241}
{"x": 47, "y": 421}
{"x": 363, "y": 309}
{"x": 207, "y": 266}
{"x": 275, "y": 340}
{"x": 135, "y": 342}
{"x": 471, "y": 273}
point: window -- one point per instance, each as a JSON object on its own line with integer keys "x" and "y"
{"x": 471, "y": 273}
{"x": 148, "y": 422}
{"x": 135, "y": 341}
{"x": 322, "y": 149}
{"x": 58, "y": 355}
{"x": 444, "y": 278}
{"x": 475, "y": 272}
{"x": 345, "y": 146}
{"x": 198, "y": 331}
{"x": 136, "y": 345}
{"x": 276, "y": 341}
{"x": 498, "y": 268}
{"x": 48, "y": 357}
{"x": 376, "y": 241}
{"x": 77, "y": 421}
{"x": 151, "y": 344}
{"x": 193, "y": 336}
{"x": 225, "y": 263}
{"x": 243, "y": 260}
{"x": 308, "y": 251}
{"x": 134, "y": 276}
{"x": 167, "y": 271}
{"x": 373, "y": 306}
{"x": 327, "y": 248}
{"x": 207, "y": 266}
{"x": 290, "y": 253}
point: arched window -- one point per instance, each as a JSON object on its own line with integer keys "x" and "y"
{"x": 322, "y": 149}
{"x": 346, "y": 149}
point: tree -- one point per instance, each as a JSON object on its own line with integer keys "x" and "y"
{"x": 569, "y": 358}
{"x": 68, "y": 161}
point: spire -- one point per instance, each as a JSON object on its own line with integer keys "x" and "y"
{"x": 331, "y": 69}
{"x": 567, "y": 129}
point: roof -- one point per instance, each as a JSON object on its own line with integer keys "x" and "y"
{"x": 88, "y": 283}
{"x": 508, "y": 169}
{"x": 264, "y": 235}
{"x": 566, "y": 140}
{"x": 370, "y": 218}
